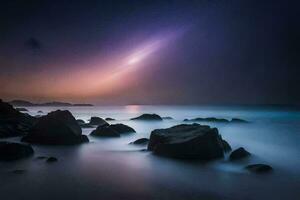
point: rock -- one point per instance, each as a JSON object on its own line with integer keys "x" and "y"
{"x": 237, "y": 120}
{"x": 259, "y": 168}
{"x": 238, "y": 154}
{"x": 187, "y": 141}
{"x": 226, "y": 146}
{"x": 109, "y": 119}
{"x": 86, "y": 126}
{"x": 51, "y": 160}
{"x": 56, "y": 128}
{"x": 14, "y": 151}
{"x": 167, "y": 118}
{"x": 114, "y": 130}
{"x": 22, "y": 109}
{"x": 141, "y": 141}
{"x": 40, "y": 111}
{"x": 12, "y": 122}
{"x": 41, "y": 157}
{"x": 208, "y": 119}
{"x": 80, "y": 121}
{"x": 148, "y": 117}
{"x": 97, "y": 121}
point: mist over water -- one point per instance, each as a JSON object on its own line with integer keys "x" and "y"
{"x": 113, "y": 169}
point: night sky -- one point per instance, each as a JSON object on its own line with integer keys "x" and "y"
{"x": 150, "y": 52}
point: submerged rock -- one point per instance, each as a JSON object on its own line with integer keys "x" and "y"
{"x": 110, "y": 119}
{"x": 14, "y": 151}
{"x": 97, "y": 121}
{"x": 238, "y": 154}
{"x": 148, "y": 117}
{"x": 51, "y": 160}
{"x": 58, "y": 127}
{"x": 114, "y": 130}
{"x": 12, "y": 122}
{"x": 187, "y": 141}
{"x": 259, "y": 168}
{"x": 141, "y": 141}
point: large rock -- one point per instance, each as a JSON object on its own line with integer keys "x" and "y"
{"x": 58, "y": 127}
{"x": 12, "y": 122}
{"x": 148, "y": 117}
{"x": 259, "y": 168}
{"x": 187, "y": 141}
{"x": 14, "y": 151}
{"x": 97, "y": 121}
{"x": 238, "y": 154}
{"x": 114, "y": 130}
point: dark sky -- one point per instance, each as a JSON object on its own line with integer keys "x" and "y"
{"x": 150, "y": 52}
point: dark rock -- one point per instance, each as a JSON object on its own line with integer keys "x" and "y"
{"x": 97, "y": 121}
{"x": 141, "y": 141}
{"x": 237, "y": 120}
{"x": 238, "y": 154}
{"x": 40, "y": 111}
{"x": 148, "y": 117}
{"x": 80, "y": 121}
{"x": 14, "y": 151}
{"x": 12, "y": 122}
{"x": 208, "y": 119}
{"x": 259, "y": 168}
{"x": 167, "y": 118}
{"x": 187, "y": 141}
{"x": 19, "y": 171}
{"x": 51, "y": 160}
{"x": 22, "y": 109}
{"x": 114, "y": 130}
{"x": 226, "y": 146}
{"x": 109, "y": 119}
{"x": 58, "y": 127}
{"x": 86, "y": 126}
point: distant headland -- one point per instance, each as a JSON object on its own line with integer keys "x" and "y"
{"x": 53, "y": 103}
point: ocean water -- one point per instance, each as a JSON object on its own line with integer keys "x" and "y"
{"x": 113, "y": 169}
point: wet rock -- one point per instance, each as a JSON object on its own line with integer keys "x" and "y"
{"x": 110, "y": 119}
{"x": 187, "y": 141}
{"x": 259, "y": 168}
{"x": 238, "y": 154}
{"x": 12, "y": 122}
{"x": 97, "y": 121}
{"x": 141, "y": 141}
{"x": 114, "y": 130}
{"x": 14, "y": 151}
{"x": 148, "y": 117}
{"x": 51, "y": 160}
{"x": 56, "y": 128}
{"x": 40, "y": 111}
{"x": 22, "y": 109}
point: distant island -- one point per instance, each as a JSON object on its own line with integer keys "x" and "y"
{"x": 53, "y": 103}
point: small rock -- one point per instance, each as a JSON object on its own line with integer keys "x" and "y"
{"x": 110, "y": 119}
{"x": 259, "y": 168}
{"x": 141, "y": 141}
{"x": 237, "y": 120}
{"x": 167, "y": 118}
{"x": 80, "y": 121}
{"x": 51, "y": 159}
{"x": 22, "y": 109}
{"x": 40, "y": 111}
{"x": 41, "y": 157}
{"x": 148, "y": 117}
{"x": 97, "y": 121}
{"x": 114, "y": 130}
{"x": 238, "y": 154}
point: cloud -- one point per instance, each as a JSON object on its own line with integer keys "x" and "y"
{"x": 33, "y": 44}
